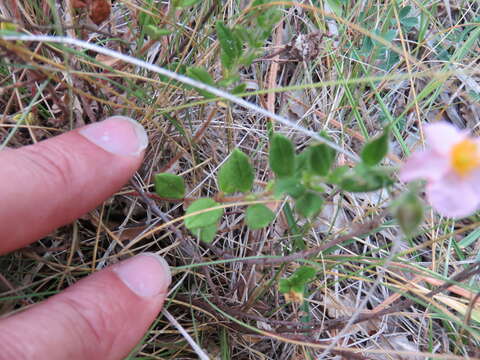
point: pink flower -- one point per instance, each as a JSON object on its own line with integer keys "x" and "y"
{"x": 451, "y": 166}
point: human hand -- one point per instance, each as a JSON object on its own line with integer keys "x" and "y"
{"x": 48, "y": 185}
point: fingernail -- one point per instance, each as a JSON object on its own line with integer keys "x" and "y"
{"x": 118, "y": 135}
{"x": 146, "y": 274}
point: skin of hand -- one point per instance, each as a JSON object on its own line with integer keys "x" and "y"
{"x": 50, "y": 184}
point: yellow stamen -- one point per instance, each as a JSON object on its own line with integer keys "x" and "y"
{"x": 465, "y": 157}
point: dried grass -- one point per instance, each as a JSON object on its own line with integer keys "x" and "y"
{"x": 233, "y": 309}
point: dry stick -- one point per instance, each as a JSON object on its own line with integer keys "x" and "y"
{"x": 465, "y": 274}
{"x": 338, "y": 322}
{"x": 335, "y": 323}
{"x": 271, "y": 84}
{"x": 201, "y": 354}
{"x": 186, "y": 40}
{"x": 150, "y": 203}
{"x": 183, "y": 79}
{"x": 66, "y": 27}
{"x": 196, "y": 138}
{"x": 272, "y": 74}
{"x": 361, "y": 230}
{"x": 361, "y": 306}
{"x": 468, "y": 315}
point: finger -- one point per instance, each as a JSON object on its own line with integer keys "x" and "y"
{"x": 101, "y": 317}
{"x": 51, "y": 183}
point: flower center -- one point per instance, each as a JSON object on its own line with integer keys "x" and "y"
{"x": 465, "y": 157}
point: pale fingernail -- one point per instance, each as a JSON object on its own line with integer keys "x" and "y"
{"x": 118, "y": 135}
{"x": 146, "y": 274}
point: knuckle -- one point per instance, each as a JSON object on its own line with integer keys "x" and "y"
{"x": 51, "y": 162}
{"x": 12, "y": 347}
{"x": 91, "y": 323}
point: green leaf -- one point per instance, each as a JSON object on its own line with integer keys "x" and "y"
{"x": 284, "y": 286}
{"x": 266, "y": 18}
{"x": 236, "y": 174}
{"x": 321, "y": 159}
{"x": 409, "y": 22}
{"x": 291, "y": 186}
{"x": 169, "y": 186}
{"x": 302, "y": 162}
{"x": 409, "y": 213}
{"x": 309, "y": 204}
{"x": 391, "y": 59}
{"x": 204, "y": 219}
{"x": 155, "y": 32}
{"x": 374, "y": 151}
{"x": 184, "y": 3}
{"x": 303, "y": 275}
{"x": 206, "y": 234}
{"x": 239, "y": 89}
{"x": 200, "y": 74}
{"x": 281, "y": 156}
{"x": 230, "y": 44}
{"x": 336, "y": 6}
{"x": 362, "y": 179}
{"x": 336, "y": 176}
{"x": 294, "y": 287}
{"x": 390, "y": 35}
{"x": 296, "y": 234}
{"x": 404, "y": 11}
{"x": 258, "y": 216}
{"x": 203, "y": 76}
{"x": 227, "y": 81}
{"x": 474, "y": 95}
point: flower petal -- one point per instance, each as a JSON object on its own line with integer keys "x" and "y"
{"x": 473, "y": 181}
{"x": 428, "y": 165}
{"x": 453, "y": 197}
{"x": 441, "y": 136}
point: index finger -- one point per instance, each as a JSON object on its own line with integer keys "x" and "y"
{"x": 51, "y": 183}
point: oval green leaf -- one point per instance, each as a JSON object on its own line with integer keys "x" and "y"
{"x": 258, "y": 216}
{"x": 169, "y": 186}
{"x": 374, "y": 151}
{"x": 281, "y": 156}
{"x": 230, "y": 44}
{"x": 321, "y": 159}
{"x": 236, "y": 174}
{"x": 309, "y": 204}
{"x": 206, "y": 234}
{"x": 291, "y": 186}
{"x": 203, "y": 219}
{"x": 184, "y": 3}
{"x": 363, "y": 179}
{"x": 203, "y": 76}
{"x": 294, "y": 287}
{"x": 409, "y": 213}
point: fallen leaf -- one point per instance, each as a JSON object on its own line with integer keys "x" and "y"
{"x": 99, "y": 10}
{"x": 79, "y": 4}
{"x": 107, "y": 60}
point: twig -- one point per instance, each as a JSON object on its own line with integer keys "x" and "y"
{"x": 272, "y": 74}
{"x": 183, "y": 79}
{"x": 465, "y": 274}
{"x": 361, "y": 230}
{"x": 201, "y": 354}
{"x": 186, "y": 40}
{"x": 151, "y": 204}
{"x": 67, "y": 27}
